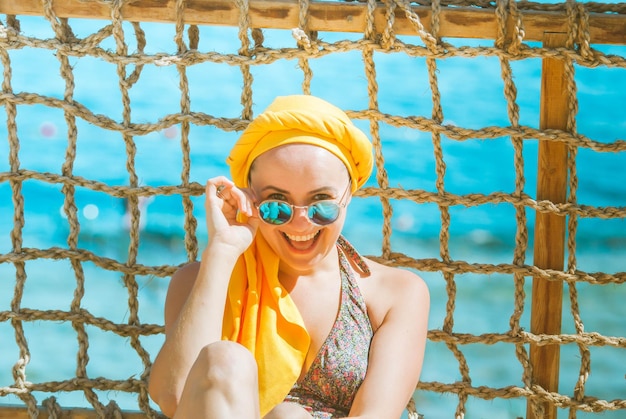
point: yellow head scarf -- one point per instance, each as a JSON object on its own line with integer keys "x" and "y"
{"x": 259, "y": 312}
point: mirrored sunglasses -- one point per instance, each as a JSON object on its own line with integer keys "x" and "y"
{"x": 280, "y": 212}
{"x": 321, "y": 213}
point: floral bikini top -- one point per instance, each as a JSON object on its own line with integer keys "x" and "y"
{"x": 328, "y": 388}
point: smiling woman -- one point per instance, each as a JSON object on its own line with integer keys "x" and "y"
{"x": 325, "y": 328}
{"x": 121, "y": 111}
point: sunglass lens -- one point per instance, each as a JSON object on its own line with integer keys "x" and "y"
{"x": 324, "y": 212}
{"x": 275, "y": 212}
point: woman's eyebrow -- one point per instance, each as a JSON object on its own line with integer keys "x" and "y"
{"x": 274, "y": 189}
{"x": 285, "y": 192}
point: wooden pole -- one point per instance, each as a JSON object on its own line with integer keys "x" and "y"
{"x": 549, "y": 253}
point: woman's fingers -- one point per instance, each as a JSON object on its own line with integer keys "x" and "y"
{"x": 216, "y": 186}
{"x": 229, "y": 195}
{"x": 223, "y": 202}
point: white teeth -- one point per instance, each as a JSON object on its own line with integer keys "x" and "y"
{"x": 300, "y": 238}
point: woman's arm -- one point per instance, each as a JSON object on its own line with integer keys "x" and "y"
{"x": 194, "y": 306}
{"x": 194, "y": 310}
{"x": 397, "y": 349}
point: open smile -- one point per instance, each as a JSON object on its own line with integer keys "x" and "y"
{"x": 302, "y": 242}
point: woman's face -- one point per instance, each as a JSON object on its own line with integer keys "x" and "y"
{"x": 300, "y": 174}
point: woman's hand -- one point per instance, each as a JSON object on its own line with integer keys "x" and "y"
{"x": 223, "y": 202}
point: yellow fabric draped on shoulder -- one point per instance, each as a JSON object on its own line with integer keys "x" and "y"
{"x": 259, "y": 312}
{"x": 262, "y": 317}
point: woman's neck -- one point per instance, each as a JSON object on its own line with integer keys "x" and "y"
{"x": 289, "y": 275}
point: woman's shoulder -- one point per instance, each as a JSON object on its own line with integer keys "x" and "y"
{"x": 178, "y": 290}
{"x": 393, "y": 278}
{"x": 185, "y": 275}
{"x": 390, "y": 288}
{"x": 182, "y": 281}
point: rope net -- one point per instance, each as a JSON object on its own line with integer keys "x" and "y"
{"x": 244, "y": 67}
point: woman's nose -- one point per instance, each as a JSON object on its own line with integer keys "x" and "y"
{"x": 300, "y": 215}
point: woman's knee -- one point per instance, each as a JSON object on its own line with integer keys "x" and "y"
{"x": 222, "y": 383}
{"x": 225, "y": 363}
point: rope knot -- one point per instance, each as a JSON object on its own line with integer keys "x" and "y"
{"x": 302, "y": 39}
{"x": 168, "y": 60}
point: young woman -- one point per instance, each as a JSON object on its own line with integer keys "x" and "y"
{"x": 282, "y": 318}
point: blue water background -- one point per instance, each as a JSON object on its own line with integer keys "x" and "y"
{"x": 472, "y": 96}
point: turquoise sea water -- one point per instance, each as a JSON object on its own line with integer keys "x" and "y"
{"x": 472, "y": 96}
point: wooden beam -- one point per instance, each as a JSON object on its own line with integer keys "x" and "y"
{"x": 549, "y": 248}
{"x": 455, "y": 22}
{"x": 20, "y": 412}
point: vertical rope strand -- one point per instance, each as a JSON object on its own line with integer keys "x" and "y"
{"x": 130, "y": 281}
{"x": 431, "y": 41}
{"x": 244, "y": 50}
{"x": 65, "y": 36}
{"x": 581, "y": 32}
{"x": 306, "y": 40}
{"x": 191, "y": 223}
{"x": 381, "y": 172}
{"x": 512, "y": 41}
{"x": 19, "y": 368}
